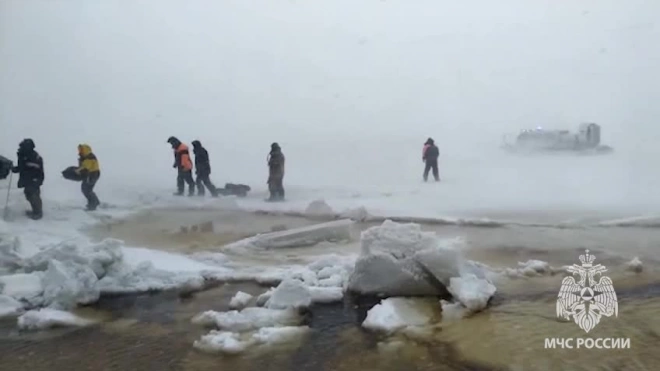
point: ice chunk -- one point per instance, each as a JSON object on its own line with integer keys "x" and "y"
{"x": 240, "y": 300}
{"x": 248, "y": 319}
{"x": 24, "y": 287}
{"x": 401, "y": 259}
{"x": 532, "y": 268}
{"x": 10, "y": 259}
{"x": 235, "y": 343}
{"x": 319, "y": 208}
{"x": 277, "y": 335}
{"x": 471, "y": 291}
{"x": 452, "y": 311}
{"x": 395, "y": 314}
{"x": 68, "y": 284}
{"x": 325, "y": 295}
{"x": 359, "y": 214}
{"x": 9, "y": 306}
{"x": 291, "y": 293}
{"x": 332, "y": 270}
{"x": 635, "y": 265}
{"x": 263, "y": 298}
{"x": 379, "y": 273}
{"x": 337, "y": 230}
{"x": 222, "y": 342}
{"x": 144, "y": 277}
{"x": 99, "y": 257}
{"x": 45, "y": 318}
{"x": 399, "y": 239}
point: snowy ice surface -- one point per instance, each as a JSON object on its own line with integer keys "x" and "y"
{"x": 240, "y": 300}
{"x": 46, "y": 318}
{"x": 396, "y": 314}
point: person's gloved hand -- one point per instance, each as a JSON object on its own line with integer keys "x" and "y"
{"x": 174, "y": 166}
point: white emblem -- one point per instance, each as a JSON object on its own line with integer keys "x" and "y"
{"x": 587, "y": 300}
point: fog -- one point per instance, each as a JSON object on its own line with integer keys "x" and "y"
{"x": 349, "y": 89}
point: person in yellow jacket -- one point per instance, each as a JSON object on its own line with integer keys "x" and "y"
{"x": 90, "y": 172}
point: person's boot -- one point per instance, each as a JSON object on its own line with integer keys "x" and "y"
{"x": 36, "y": 213}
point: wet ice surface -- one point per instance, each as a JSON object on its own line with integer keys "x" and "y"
{"x": 522, "y": 311}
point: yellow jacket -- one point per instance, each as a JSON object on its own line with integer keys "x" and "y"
{"x": 87, "y": 162}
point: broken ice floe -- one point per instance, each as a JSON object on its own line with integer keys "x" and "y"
{"x": 240, "y": 330}
{"x": 401, "y": 314}
{"x": 278, "y": 319}
{"x": 46, "y": 318}
{"x": 66, "y": 275}
{"x": 240, "y": 300}
{"x": 402, "y": 260}
{"x": 334, "y": 231}
{"x": 234, "y": 343}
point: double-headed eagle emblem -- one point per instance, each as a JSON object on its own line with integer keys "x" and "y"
{"x": 586, "y": 300}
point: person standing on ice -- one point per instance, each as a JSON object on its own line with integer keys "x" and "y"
{"x": 184, "y": 164}
{"x": 430, "y": 155}
{"x": 30, "y": 168}
{"x": 203, "y": 169}
{"x": 276, "y": 173}
{"x": 90, "y": 172}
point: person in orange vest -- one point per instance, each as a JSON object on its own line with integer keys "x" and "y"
{"x": 184, "y": 165}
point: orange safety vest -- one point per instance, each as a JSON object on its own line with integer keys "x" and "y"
{"x": 184, "y": 157}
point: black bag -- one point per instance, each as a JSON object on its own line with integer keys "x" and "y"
{"x": 5, "y": 167}
{"x": 231, "y": 189}
{"x": 70, "y": 174}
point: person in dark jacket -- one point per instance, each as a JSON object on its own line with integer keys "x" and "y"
{"x": 90, "y": 172}
{"x": 184, "y": 165}
{"x": 30, "y": 168}
{"x": 430, "y": 156}
{"x": 276, "y": 173}
{"x": 203, "y": 169}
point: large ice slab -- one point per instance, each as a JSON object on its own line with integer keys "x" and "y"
{"x": 338, "y": 230}
{"x": 402, "y": 260}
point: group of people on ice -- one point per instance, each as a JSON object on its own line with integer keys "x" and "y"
{"x": 202, "y": 166}
{"x": 30, "y": 168}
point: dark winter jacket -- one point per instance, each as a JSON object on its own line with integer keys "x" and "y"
{"x": 30, "y": 168}
{"x": 276, "y": 164}
{"x": 202, "y": 161}
{"x": 431, "y": 153}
